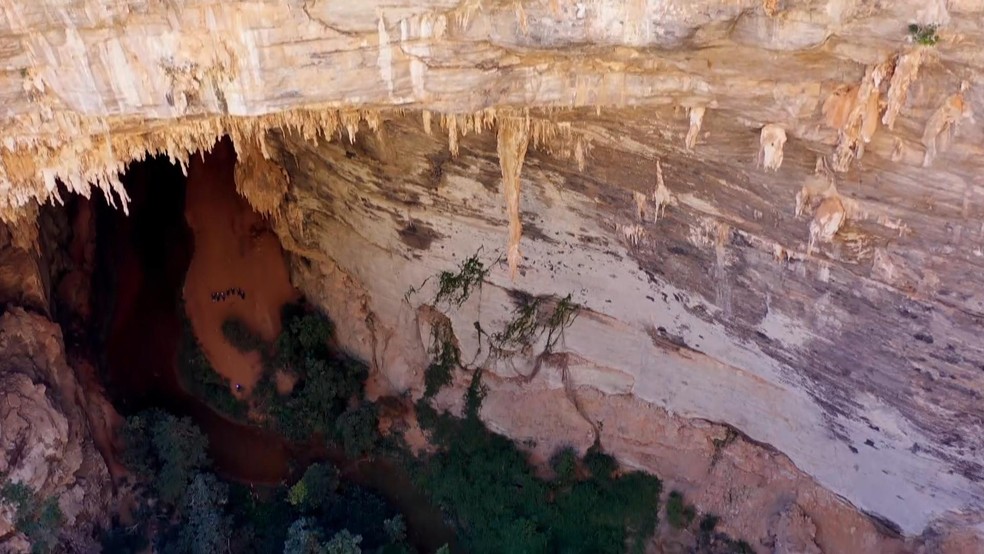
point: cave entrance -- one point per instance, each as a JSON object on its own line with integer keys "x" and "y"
{"x": 147, "y": 269}
{"x": 158, "y": 271}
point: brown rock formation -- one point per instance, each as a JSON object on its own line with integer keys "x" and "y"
{"x": 44, "y": 431}
{"x": 768, "y": 209}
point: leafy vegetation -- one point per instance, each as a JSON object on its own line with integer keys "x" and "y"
{"x": 199, "y": 378}
{"x": 499, "y": 504}
{"x": 40, "y": 520}
{"x": 187, "y": 509}
{"x": 315, "y": 488}
{"x": 679, "y": 514}
{"x": 327, "y": 381}
{"x": 166, "y": 451}
{"x": 356, "y": 430}
{"x": 456, "y": 287}
{"x": 718, "y": 543}
{"x": 564, "y": 464}
{"x": 531, "y": 322}
{"x": 447, "y": 357}
{"x": 487, "y": 488}
{"x": 241, "y": 336}
{"x": 925, "y": 35}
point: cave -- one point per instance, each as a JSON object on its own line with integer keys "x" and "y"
{"x": 731, "y": 245}
{"x": 126, "y": 320}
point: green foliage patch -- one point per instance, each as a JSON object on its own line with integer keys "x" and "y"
{"x": 200, "y": 379}
{"x": 39, "y": 519}
{"x": 499, "y": 504}
{"x": 165, "y": 450}
{"x": 447, "y": 358}
{"x": 925, "y": 35}
{"x": 679, "y": 514}
{"x": 534, "y": 319}
{"x": 187, "y": 509}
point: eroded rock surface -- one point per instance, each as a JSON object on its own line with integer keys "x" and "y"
{"x": 689, "y": 317}
{"x": 770, "y": 211}
{"x": 44, "y": 434}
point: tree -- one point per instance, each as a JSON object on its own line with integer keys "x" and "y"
{"x": 206, "y": 528}
{"x": 180, "y": 449}
{"x": 39, "y": 520}
{"x": 344, "y": 543}
{"x": 357, "y": 429}
{"x": 319, "y": 483}
{"x": 396, "y": 528}
{"x": 303, "y": 537}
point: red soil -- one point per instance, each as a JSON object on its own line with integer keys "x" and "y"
{"x": 234, "y": 249}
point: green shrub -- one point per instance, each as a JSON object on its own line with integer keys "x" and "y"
{"x": 326, "y": 381}
{"x": 315, "y": 488}
{"x": 679, "y": 514}
{"x": 241, "y": 336}
{"x": 447, "y": 358}
{"x": 201, "y": 380}
{"x": 304, "y": 335}
{"x": 357, "y": 430}
{"x": 564, "y": 464}
{"x": 498, "y": 504}
{"x": 320, "y": 396}
{"x": 601, "y": 465}
{"x": 40, "y": 520}
{"x": 708, "y": 523}
{"x": 165, "y": 450}
{"x": 925, "y": 35}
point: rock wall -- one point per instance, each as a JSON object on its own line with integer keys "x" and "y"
{"x": 769, "y": 210}
{"x": 45, "y": 440}
{"x": 702, "y": 312}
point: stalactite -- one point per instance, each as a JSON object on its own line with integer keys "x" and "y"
{"x": 942, "y": 125}
{"x": 906, "y": 71}
{"x": 854, "y": 112}
{"x": 661, "y": 196}
{"x": 696, "y": 114}
{"x": 512, "y": 141}
{"x": 426, "y": 116}
{"x": 91, "y": 155}
{"x": 771, "y": 143}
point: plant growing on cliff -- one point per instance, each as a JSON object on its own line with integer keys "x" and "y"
{"x": 495, "y": 497}
{"x": 925, "y": 35}
{"x": 40, "y": 520}
{"x": 532, "y": 322}
{"x": 447, "y": 357}
{"x": 679, "y": 514}
{"x": 455, "y": 287}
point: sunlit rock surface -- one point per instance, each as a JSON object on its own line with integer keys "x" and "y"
{"x": 45, "y": 438}
{"x": 770, "y": 211}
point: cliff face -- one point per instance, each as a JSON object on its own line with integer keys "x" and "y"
{"x": 768, "y": 209}
{"x": 45, "y": 440}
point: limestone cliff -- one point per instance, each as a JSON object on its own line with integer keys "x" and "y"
{"x": 768, "y": 209}
{"x": 45, "y": 436}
